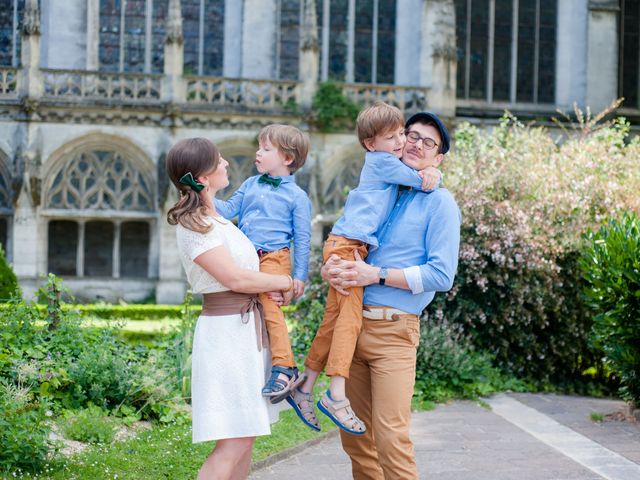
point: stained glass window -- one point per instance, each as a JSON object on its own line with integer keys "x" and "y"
{"x": 132, "y": 35}
{"x": 629, "y": 83}
{"x": 11, "y": 15}
{"x": 372, "y": 44}
{"x": 289, "y": 39}
{"x": 203, "y": 30}
{"x": 529, "y": 47}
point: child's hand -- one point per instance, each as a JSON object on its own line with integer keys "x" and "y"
{"x": 298, "y": 288}
{"x": 431, "y": 176}
{"x": 288, "y": 296}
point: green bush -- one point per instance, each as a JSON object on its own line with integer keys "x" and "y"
{"x": 72, "y": 366}
{"x": 8, "y": 281}
{"x": 117, "y": 312}
{"x": 24, "y": 435}
{"x": 611, "y": 269}
{"x": 525, "y": 201}
{"x": 89, "y": 425}
{"x": 331, "y": 110}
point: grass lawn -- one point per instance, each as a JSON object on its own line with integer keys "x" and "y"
{"x": 166, "y": 452}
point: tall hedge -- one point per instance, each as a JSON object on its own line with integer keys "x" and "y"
{"x": 8, "y": 280}
{"x": 526, "y": 198}
{"x": 611, "y": 269}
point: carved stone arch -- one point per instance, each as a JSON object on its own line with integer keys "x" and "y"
{"x": 100, "y": 172}
{"x": 6, "y": 190}
{"x": 241, "y": 155}
{"x": 339, "y": 173}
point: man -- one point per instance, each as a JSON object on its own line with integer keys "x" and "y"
{"x": 417, "y": 256}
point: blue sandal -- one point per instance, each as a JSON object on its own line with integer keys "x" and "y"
{"x": 278, "y": 389}
{"x": 350, "y": 423}
{"x": 307, "y": 413}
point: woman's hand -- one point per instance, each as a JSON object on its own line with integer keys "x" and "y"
{"x": 276, "y": 297}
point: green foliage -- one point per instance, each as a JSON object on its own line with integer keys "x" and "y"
{"x": 331, "y": 110}
{"x": 24, "y": 435}
{"x": 89, "y": 425}
{"x": 449, "y": 366}
{"x": 8, "y": 281}
{"x": 611, "y": 269}
{"x": 72, "y": 366}
{"x": 525, "y": 201}
{"x": 115, "y": 312}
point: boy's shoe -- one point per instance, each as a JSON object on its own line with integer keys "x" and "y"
{"x": 349, "y": 422}
{"x": 278, "y": 389}
{"x": 307, "y": 413}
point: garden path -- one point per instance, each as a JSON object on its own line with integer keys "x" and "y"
{"x": 520, "y": 436}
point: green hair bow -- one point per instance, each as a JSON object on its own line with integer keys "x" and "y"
{"x": 187, "y": 179}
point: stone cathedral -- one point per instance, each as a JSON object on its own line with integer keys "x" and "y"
{"x": 93, "y": 93}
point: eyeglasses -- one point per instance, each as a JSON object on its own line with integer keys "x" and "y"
{"x": 413, "y": 137}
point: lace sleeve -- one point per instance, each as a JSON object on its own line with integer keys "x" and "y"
{"x": 194, "y": 244}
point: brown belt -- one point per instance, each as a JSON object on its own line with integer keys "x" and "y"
{"x": 234, "y": 303}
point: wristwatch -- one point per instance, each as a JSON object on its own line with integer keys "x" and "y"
{"x": 382, "y": 275}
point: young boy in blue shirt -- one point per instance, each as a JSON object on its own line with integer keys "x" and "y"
{"x": 381, "y": 132}
{"x": 272, "y": 212}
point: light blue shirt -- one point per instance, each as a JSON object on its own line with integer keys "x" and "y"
{"x": 371, "y": 202}
{"x": 273, "y": 217}
{"x": 421, "y": 236}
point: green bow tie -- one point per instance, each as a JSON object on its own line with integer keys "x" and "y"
{"x": 269, "y": 180}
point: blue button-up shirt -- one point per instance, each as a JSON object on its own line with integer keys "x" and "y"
{"x": 421, "y": 236}
{"x": 371, "y": 202}
{"x": 272, "y": 217}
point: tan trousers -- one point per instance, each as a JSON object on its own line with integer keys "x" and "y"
{"x": 380, "y": 388}
{"x": 279, "y": 263}
{"x": 336, "y": 337}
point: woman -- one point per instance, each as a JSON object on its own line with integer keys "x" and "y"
{"x": 230, "y": 357}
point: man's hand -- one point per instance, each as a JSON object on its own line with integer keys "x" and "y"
{"x": 431, "y": 177}
{"x": 298, "y": 288}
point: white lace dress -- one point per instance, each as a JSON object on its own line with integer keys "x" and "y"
{"x": 228, "y": 371}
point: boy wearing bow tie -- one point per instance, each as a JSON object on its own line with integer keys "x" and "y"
{"x": 272, "y": 212}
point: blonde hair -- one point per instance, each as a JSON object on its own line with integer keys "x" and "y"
{"x": 197, "y": 156}
{"x": 377, "y": 119}
{"x": 290, "y": 141}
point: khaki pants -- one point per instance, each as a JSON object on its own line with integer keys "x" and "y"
{"x": 337, "y": 335}
{"x": 380, "y": 388}
{"x": 279, "y": 263}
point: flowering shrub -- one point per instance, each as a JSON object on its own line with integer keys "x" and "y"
{"x": 525, "y": 199}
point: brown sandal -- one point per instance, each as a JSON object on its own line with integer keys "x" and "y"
{"x": 350, "y": 423}
{"x": 307, "y": 414}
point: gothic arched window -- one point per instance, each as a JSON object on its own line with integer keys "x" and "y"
{"x": 241, "y": 166}
{"x": 357, "y": 40}
{"x": 629, "y": 58}
{"x": 506, "y": 50}
{"x": 101, "y": 203}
